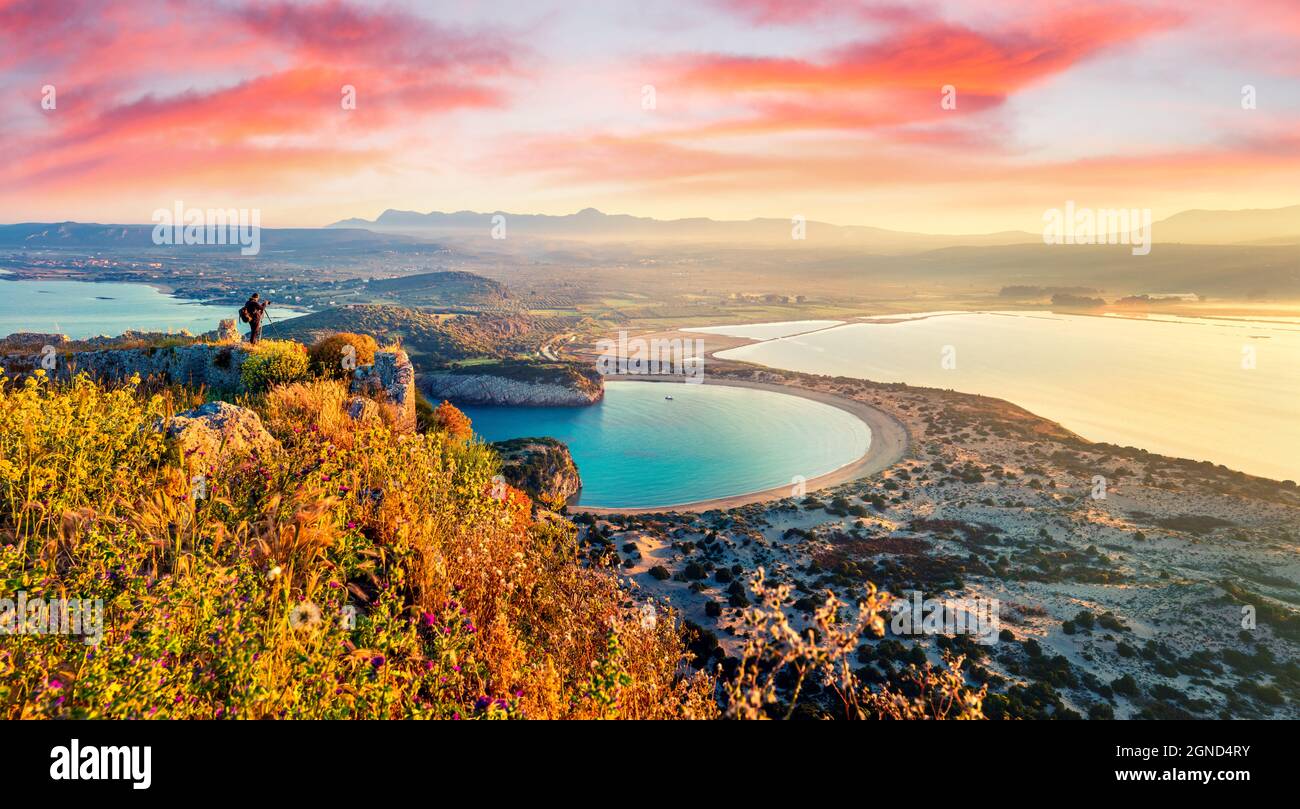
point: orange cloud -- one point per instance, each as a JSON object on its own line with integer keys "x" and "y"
{"x": 228, "y": 94}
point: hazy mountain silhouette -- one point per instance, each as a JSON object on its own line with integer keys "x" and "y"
{"x": 1269, "y": 226}
{"x": 592, "y": 225}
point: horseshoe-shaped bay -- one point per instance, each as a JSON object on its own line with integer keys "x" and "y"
{"x": 640, "y": 449}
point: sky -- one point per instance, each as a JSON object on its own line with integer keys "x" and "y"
{"x": 952, "y": 116}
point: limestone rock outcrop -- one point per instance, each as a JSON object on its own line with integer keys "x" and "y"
{"x": 215, "y": 367}
{"x": 492, "y": 389}
{"x": 228, "y": 332}
{"x": 390, "y": 379}
{"x": 218, "y": 431}
{"x": 543, "y": 467}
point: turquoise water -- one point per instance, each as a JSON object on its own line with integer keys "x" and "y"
{"x": 636, "y": 449}
{"x": 85, "y": 309}
{"x": 1226, "y": 391}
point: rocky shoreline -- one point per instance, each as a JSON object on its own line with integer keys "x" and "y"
{"x": 516, "y": 384}
{"x": 485, "y": 389}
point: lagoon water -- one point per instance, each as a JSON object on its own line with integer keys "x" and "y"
{"x": 85, "y": 309}
{"x": 636, "y": 449}
{"x": 766, "y": 331}
{"x": 1216, "y": 389}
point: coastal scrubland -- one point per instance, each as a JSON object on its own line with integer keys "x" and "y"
{"x": 352, "y": 572}
{"x": 1128, "y": 584}
{"x": 348, "y": 568}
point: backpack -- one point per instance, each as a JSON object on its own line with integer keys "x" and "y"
{"x": 243, "y": 315}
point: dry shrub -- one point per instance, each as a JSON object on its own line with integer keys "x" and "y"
{"x": 273, "y": 362}
{"x": 340, "y": 354}
{"x": 775, "y": 649}
{"x": 450, "y": 420}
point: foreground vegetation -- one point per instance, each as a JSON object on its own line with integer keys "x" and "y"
{"x": 235, "y": 598}
{"x": 350, "y": 572}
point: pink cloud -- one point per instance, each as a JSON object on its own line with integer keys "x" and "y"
{"x": 227, "y": 86}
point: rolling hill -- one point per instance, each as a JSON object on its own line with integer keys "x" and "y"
{"x": 449, "y": 288}
{"x": 430, "y": 339}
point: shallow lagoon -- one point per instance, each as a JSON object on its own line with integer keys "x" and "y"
{"x": 1223, "y": 390}
{"x": 636, "y": 449}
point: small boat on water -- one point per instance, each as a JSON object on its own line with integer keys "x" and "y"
{"x": 669, "y": 398}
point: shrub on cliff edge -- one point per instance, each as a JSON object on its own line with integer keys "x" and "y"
{"x": 273, "y": 362}
{"x": 449, "y": 419}
{"x": 340, "y": 354}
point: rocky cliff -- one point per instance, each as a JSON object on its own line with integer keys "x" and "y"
{"x": 215, "y": 367}
{"x": 543, "y": 467}
{"x": 516, "y": 383}
{"x": 391, "y": 379}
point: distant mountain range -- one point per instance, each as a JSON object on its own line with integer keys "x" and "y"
{"x": 1253, "y": 226}
{"x": 396, "y": 229}
{"x": 1272, "y": 226}
{"x": 590, "y": 224}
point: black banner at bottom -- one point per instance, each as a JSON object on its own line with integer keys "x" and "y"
{"x": 140, "y": 761}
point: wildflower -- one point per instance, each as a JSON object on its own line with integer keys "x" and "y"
{"x": 274, "y": 573}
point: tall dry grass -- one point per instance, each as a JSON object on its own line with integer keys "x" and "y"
{"x": 354, "y": 573}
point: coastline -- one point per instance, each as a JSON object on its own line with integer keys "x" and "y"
{"x": 889, "y": 444}
{"x": 994, "y": 503}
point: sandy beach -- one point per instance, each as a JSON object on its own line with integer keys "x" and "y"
{"x": 889, "y": 443}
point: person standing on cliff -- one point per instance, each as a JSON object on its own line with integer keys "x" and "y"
{"x": 252, "y": 314}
